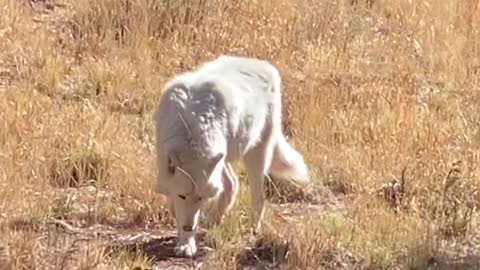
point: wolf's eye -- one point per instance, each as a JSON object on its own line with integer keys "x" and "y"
{"x": 182, "y": 197}
{"x": 171, "y": 166}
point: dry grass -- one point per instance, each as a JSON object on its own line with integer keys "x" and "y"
{"x": 371, "y": 91}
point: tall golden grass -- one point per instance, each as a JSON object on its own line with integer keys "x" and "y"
{"x": 369, "y": 92}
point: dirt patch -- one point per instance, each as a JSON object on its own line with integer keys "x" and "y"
{"x": 456, "y": 255}
{"x": 263, "y": 256}
{"x": 324, "y": 205}
{"x": 160, "y": 249}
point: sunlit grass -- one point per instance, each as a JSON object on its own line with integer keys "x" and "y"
{"x": 369, "y": 93}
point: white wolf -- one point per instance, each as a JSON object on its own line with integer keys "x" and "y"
{"x": 227, "y": 110}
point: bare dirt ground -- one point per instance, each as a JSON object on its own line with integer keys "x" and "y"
{"x": 65, "y": 240}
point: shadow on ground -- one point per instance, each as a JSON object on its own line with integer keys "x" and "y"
{"x": 159, "y": 249}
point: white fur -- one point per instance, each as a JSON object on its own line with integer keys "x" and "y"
{"x": 227, "y": 110}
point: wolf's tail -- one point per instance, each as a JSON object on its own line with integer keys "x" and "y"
{"x": 287, "y": 163}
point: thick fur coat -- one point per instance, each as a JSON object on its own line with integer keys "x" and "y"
{"x": 227, "y": 110}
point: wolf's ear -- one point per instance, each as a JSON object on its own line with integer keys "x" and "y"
{"x": 180, "y": 91}
{"x": 214, "y": 175}
{"x": 217, "y": 158}
{"x": 214, "y": 161}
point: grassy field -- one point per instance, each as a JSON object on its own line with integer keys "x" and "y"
{"x": 382, "y": 98}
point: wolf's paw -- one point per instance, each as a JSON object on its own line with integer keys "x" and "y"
{"x": 185, "y": 249}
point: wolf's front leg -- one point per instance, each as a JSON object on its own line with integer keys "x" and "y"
{"x": 227, "y": 197}
{"x": 186, "y": 215}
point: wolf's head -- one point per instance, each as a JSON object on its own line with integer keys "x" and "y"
{"x": 185, "y": 176}
{"x": 190, "y": 141}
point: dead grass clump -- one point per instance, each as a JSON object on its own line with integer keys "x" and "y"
{"x": 19, "y": 250}
{"x": 284, "y": 191}
{"x": 453, "y": 202}
{"x": 269, "y": 251}
{"x": 131, "y": 105}
{"x": 337, "y": 179}
{"x": 126, "y": 21}
{"x": 5, "y": 259}
{"x": 397, "y": 193}
{"x": 78, "y": 168}
{"x": 362, "y": 239}
{"x": 450, "y": 204}
{"x": 78, "y": 86}
{"x": 460, "y": 200}
{"x": 130, "y": 260}
{"x": 316, "y": 243}
{"x": 388, "y": 239}
{"x": 60, "y": 208}
{"x": 309, "y": 244}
